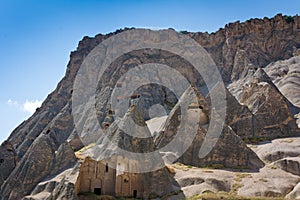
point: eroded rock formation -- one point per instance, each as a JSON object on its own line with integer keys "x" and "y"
{"x": 40, "y": 148}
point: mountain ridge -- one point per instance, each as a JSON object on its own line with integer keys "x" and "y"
{"x": 235, "y": 48}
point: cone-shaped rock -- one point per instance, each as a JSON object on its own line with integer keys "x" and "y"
{"x": 112, "y": 155}
{"x": 228, "y": 151}
{"x": 273, "y": 113}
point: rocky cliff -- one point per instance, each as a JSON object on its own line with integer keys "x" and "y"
{"x": 42, "y": 147}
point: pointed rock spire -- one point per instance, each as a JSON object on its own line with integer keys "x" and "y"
{"x": 229, "y": 150}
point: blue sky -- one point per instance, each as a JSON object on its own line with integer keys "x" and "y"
{"x": 36, "y": 37}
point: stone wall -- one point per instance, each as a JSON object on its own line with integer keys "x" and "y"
{"x": 99, "y": 178}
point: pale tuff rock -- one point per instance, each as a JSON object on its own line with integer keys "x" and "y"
{"x": 41, "y": 147}
{"x": 229, "y": 152}
{"x": 273, "y": 114}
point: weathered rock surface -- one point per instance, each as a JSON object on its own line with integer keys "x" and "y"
{"x": 229, "y": 151}
{"x": 278, "y": 149}
{"x": 39, "y": 143}
{"x": 196, "y": 181}
{"x": 8, "y": 160}
{"x": 285, "y": 74}
{"x": 267, "y": 182}
{"x": 273, "y": 180}
{"x": 60, "y": 187}
{"x": 272, "y": 112}
{"x": 148, "y": 180}
{"x": 295, "y": 193}
{"x": 44, "y": 158}
{"x": 289, "y": 164}
{"x": 239, "y": 117}
{"x": 255, "y": 42}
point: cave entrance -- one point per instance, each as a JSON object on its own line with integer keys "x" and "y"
{"x": 134, "y": 193}
{"x": 97, "y": 191}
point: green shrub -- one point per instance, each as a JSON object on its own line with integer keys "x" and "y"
{"x": 184, "y": 32}
{"x": 289, "y": 19}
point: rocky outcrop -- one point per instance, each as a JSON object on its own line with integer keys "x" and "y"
{"x": 59, "y": 187}
{"x": 47, "y": 156}
{"x": 254, "y": 42}
{"x": 272, "y": 113}
{"x": 133, "y": 172}
{"x": 229, "y": 151}
{"x": 268, "y": 183}
{"x": 239, "y": 117}
{"x": 278, "y": 149}
{"x": 195, "y": 181}
{"x": 295, "y": 193}
{"x": 224, "y": 184}
{"x": 8, "y": 160}
{"x": 39, "y": 145}
{"x": 290, "y": 164}
{"x": 285, "y": 74}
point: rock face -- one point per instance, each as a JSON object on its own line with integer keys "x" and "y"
{"x": 278, "y": 149}
{"x": 291, "y": 165}
{"x": 124, "y": 176}
{"x": 229, "y": 151}
{"x": 45, "y": 157}
{"x": 286, "y": 76}
{"x": 254, "y": 42}
{"x": 295, "y": 193}
{"x": 61, "y": 186}
{"x": 8, "y": 160}
{"x": 41, "y": 147}
{"x": 239, "y": 117}
{"x": 268, "y": 183}
{"x": 272, "y": 113}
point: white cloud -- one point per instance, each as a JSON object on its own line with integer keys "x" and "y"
{"x": 31, "y": 106}
{"x": 12, "y": 102}
{"x": 28, "y": 106}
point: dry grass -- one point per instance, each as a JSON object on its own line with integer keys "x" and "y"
{"x": 224, "y": 195}
{"x": 78, "y": 153}
{"x": 240, "y": 176}
{"x": 272, "y": 166}
{"x": 263, "y": 180}
{"x": 289, "y": 140}
{"x": 237, "y": 185}
{"x": 171, "y": 169}
{"x": 252, "y": 146}
{"x": 182, "y": 166}
{"x": 235, "y": 188}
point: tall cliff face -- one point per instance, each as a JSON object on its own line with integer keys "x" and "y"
{"x": 38, "y": 148}
{"x": 254, "y": 42}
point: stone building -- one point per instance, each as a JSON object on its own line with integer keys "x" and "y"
{"x": 99, "y": 178}
{"x": 108, "y": 173}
